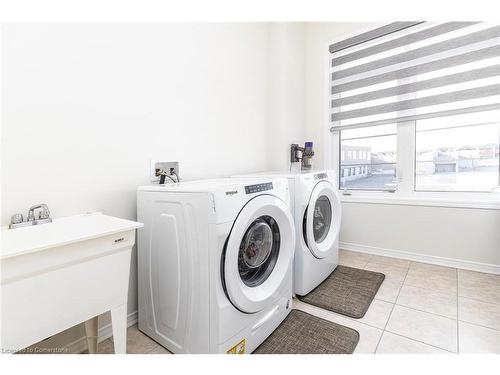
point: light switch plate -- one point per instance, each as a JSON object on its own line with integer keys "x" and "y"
{"x": 165, "y": 165}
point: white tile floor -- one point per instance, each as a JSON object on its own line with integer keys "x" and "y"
{"x": 419, "y": 308}
{"x": 137, "y": 343}
{"x": 422, "y": 308}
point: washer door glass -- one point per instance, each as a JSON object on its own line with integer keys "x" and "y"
{"x": 258, "y": 251}
{"x": 322, "y": 218}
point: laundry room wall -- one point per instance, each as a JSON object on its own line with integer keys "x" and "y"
{"x": 454, "y": 236}
{"x": 458, "y": 237}
{"x": 85, "y": 107}
{"x": 286, "y": 101}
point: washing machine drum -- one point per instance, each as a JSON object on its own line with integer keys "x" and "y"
{"x": 258, "y": 253}
{"x": 321, "y": 224}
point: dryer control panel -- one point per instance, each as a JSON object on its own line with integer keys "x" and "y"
{"x": 257, "y": 188}
{"x": 320, "y": 176}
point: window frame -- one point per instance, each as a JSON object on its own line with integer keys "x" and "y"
{"x": 405, "y": 193}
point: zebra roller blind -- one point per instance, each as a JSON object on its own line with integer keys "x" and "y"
{"x": 412, "y": 70}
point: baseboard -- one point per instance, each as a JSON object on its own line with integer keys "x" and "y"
{"x": 105, "y": 332}
{"x": 424, "y": 258}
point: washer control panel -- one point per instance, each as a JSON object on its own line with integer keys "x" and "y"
{"x": 320, "y": 176}
{"x": 257, "y": 188}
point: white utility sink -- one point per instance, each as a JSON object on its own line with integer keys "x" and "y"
{"x": 59, "y": 274}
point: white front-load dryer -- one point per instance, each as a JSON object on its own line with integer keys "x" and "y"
{"x": 317, "y": 214}
{"x": 215, "y": 262}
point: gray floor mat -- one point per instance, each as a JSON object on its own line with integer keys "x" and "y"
{"x": 348, "y": 291}
{"x": 303, "y": 333}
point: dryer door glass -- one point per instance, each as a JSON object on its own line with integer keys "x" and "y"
{"x": 258, "y": 251}
{"x": 322, "y": 218}
{"x": 321, "y": 223}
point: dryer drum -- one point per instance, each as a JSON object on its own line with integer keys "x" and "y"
{"x": 322, "y": 219}
{"x": 258, "y": 251}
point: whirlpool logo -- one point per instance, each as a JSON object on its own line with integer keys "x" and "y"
{"x": 231, "y": 192}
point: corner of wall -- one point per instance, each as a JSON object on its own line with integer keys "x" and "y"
{"x": 286, "y": 94}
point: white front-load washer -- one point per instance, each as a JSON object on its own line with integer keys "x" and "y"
{"x": 215, "y": 262}
{"x": 317, "y": 213}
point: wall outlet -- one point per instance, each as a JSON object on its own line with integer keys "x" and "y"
{"x": 165, "y": 165}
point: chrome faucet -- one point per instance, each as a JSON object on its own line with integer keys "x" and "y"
{"x": 43, "y": 217}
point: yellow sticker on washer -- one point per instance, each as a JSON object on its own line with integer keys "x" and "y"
{"x": 239, "y": 348}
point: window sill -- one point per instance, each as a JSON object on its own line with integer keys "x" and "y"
{"x": 391, "y": 199}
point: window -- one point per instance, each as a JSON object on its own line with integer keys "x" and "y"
{"x": 414, "y": 110}
{"x": 458, "y": 153}
{"x": 380, "y": 144}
